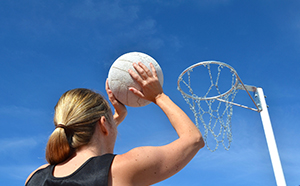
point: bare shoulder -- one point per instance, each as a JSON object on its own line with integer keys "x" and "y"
{"x": 41, "y": 167}
{"x": 151, "y": 164}
{"x": 139, "y": 166}
{"x": 135, "y": 156}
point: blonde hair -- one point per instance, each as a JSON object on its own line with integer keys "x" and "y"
{"x": 75, "y": 118}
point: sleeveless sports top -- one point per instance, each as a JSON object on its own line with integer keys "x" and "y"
{"x": 94, "y": 172}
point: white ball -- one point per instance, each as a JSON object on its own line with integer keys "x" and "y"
{"x": 119, "y": 79}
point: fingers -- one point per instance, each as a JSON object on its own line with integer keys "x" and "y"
{"x": 153, "y": 70}
{"x": 139, "y": 80}
{"x": 140, "y": 71}
{"x": 148, "y": 72}
{"x": 140, "y": 75}
{"x": 136, "y": 92}
{"x": 111, "y": 97}
{"x": 136, "y": 77}
{"x": 120, "y": 109}
{"x": 107, "y": 87}
{"x": 143, "y": 70}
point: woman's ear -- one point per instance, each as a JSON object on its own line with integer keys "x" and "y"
{"x": 103, "y": 125}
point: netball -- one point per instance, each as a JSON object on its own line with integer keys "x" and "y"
{"x": 119, "y": 79}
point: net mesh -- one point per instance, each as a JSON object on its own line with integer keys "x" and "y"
{"x": 214, "y": 114}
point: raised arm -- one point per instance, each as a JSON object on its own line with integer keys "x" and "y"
{"x": 149, "y": 165}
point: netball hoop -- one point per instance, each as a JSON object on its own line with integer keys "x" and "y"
{"x": 209, "y": 88}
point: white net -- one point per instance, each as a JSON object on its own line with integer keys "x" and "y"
{"x": 209, "y": 101}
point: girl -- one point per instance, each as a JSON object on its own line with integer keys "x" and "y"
{"x": 80, "y": 149}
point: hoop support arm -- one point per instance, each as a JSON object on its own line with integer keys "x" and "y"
{"x": 237, "y": 104}
{"x": 248, "y": 88}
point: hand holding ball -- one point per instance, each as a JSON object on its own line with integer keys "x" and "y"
{"x": 120, "y": 80}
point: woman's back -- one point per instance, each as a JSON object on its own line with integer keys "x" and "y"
{"x": 93, "y": 172}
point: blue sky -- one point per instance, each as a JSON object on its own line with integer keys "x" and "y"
{"x": 49, "y": 47}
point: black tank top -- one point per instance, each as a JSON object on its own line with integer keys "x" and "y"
{"x": 94, "y": 172}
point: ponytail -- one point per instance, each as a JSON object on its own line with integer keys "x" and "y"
{"x": 58, "y": 148}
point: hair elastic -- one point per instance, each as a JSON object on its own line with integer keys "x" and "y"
{"x": 69, "y": 133}
{"x": 68, "y": 130}
{"x": 61, "y": 126}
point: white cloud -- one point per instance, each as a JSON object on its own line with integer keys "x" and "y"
{"x": 197, "y": 3}
{"x": 19, "y": 110}
{"x": 105, "y": 11}
{"x": 15, "y": 145}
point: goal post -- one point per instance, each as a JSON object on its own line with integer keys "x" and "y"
{"x": 269, "y": 134}
{"x": 210, "y": 97}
